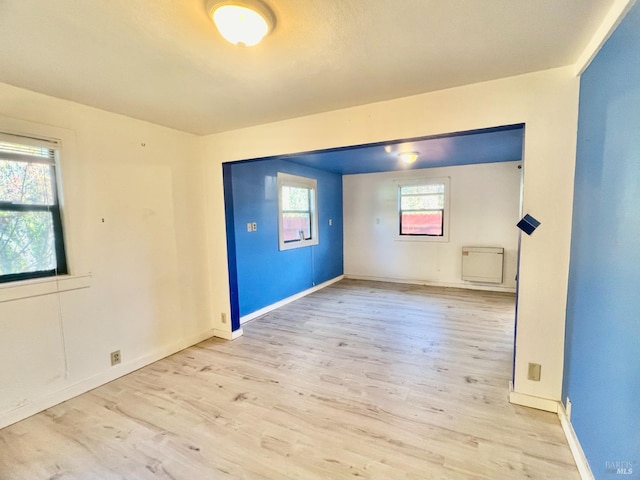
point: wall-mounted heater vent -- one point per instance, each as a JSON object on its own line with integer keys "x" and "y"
{"x": 482, "y": 264}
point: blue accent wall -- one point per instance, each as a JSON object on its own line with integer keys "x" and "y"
{"x": 264, "y": 274}
{"x": 231, "y": 246}
{"x": 602, "y": 344}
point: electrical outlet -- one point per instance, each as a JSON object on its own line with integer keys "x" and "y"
{"x": 534, "y": 372}
{"x": 223, "y": 317}
{"x": 254, "y": 226}
{"x": 115, "y": 358}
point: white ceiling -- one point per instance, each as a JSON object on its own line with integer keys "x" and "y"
{"x": 163, "y": 61}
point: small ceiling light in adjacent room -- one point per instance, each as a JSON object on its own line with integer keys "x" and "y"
{"x": 408, "y": 157}
{"x": 241, "y": 22}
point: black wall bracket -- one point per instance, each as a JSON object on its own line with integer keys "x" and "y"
{"x": 528, "y": 224}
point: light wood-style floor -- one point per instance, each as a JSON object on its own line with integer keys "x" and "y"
{"x": 361, "y": 379}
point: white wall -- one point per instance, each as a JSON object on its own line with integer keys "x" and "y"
{"x": 146, "y": 283}
{"x": 484, "y": 208}
{"x": 547, "y": 102}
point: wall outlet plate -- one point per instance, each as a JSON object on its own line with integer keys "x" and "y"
{"x": 116, "y": 358}
{"x": 534, "y": 372}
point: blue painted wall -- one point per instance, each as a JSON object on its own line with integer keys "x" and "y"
{"x": 231, "y": 246}
{"x": 264, "y": 274}
{"x": 602, "y": 356}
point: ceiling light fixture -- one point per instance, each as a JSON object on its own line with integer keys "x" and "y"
{"x": 241, "y": 22}
{"x": 408, "y": 157}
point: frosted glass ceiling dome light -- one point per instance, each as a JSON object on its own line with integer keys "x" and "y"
{"x": 408, "y": 157}
{"x": 241, "y": 22}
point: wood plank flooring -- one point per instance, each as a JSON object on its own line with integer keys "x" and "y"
{"x": 358, "y": 380}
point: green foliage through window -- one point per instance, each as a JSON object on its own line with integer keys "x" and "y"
{"x": 30, "y": 226}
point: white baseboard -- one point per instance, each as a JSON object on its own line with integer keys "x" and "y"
{"x": 54, "y": 398}
{"x": 574, "y": 445}
{"x": 465, "y": 285}
{"x": 273, "y": 306}
{"x": 558, "y": 408}
{"x": 226, "y": 334}
{"x": 532, "y": 401}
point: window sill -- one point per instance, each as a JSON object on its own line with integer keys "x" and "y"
{"x": 292, "y": 245}
{"x": 43, "y": 286}
{"x": 416, "y": 238}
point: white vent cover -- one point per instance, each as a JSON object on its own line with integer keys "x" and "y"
{"x": 482, "y": 264}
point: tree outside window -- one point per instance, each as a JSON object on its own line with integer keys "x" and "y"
{"x": 31, "y": 242}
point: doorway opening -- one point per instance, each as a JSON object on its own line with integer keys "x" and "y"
{"x": 359, "y": 207}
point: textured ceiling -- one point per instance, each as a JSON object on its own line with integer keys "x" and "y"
{"x": 163, "y": 61}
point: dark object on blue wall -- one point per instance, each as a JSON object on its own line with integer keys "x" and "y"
{"x": 528, "y": 224}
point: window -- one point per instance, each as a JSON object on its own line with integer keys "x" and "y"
{"x": 297, "y": 211}
{"x": 423, "y": 209}
{"x": 31, "y": 243}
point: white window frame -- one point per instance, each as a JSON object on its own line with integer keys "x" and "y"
{"x": 447, "y": 209}
{"x": 285, "y": 179}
